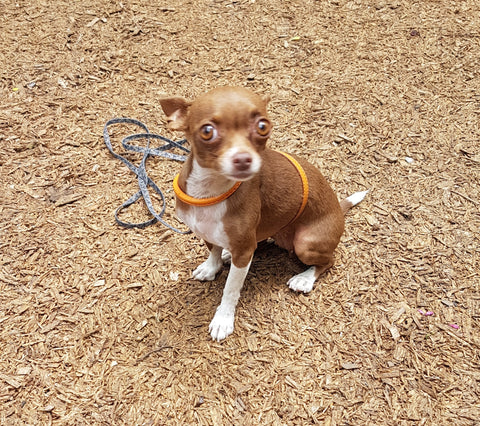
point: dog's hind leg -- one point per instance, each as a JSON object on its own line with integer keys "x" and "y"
{"x": 314, "y": 247}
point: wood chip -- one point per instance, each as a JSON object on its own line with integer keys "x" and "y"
{"x": 10, "y": 380}
{"x": 350, "y": 366}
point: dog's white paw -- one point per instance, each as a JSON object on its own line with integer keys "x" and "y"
{"x": 206, "y": 271}
{"x": 222, "y": 325}
{"x": 226, "y": 256}
{"x": 303, "y": 282}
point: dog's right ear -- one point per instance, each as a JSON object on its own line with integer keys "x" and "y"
{"x": 176, "y": 111}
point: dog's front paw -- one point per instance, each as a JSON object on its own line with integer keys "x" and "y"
{"x": 206, "y": 271}
{"x": 303, "y": 282}
{"x": 226, "y": 256}
{"x": 222, "y": 325}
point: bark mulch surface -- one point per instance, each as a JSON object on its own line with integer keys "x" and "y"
{"x": 103, "y": 325}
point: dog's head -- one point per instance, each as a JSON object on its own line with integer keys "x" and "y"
{"x": 227, "y": 129}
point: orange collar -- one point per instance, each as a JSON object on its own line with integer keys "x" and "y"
{"x": 210, "y": 201}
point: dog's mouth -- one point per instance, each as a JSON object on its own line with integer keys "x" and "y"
{"x": 241, "y": 176}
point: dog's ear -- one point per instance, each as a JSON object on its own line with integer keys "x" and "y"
{"x": 176, "y": 111}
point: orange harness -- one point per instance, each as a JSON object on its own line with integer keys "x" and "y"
{"x": 303, "y": 176}
{"x": 210, "y": 201}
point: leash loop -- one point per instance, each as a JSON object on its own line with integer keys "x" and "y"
{"x": 141, "y": 172}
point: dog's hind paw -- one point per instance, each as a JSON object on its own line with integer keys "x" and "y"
{"x": 303, "y": 282}
{"x": 222, "y": 325}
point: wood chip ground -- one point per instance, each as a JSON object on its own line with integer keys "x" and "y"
{"x": 101, "y": 325}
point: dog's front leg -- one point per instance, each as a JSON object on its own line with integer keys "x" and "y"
{"x": 222, "y": 324}
{"x": 208, "y": 269}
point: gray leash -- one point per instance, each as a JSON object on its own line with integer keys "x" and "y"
{"x": 143, "y": 180}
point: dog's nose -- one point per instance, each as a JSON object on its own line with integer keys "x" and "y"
{"x": 242, "y": 161}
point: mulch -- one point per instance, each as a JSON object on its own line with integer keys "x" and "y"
{"x": 103, "y": 325}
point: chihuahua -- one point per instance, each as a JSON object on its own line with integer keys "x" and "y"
{"x": 234, "y": 192}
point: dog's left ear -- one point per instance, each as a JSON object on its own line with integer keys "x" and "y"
{"x": 176, "y": 111}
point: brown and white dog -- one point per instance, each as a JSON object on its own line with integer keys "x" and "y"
{"x": 233, "y": 192}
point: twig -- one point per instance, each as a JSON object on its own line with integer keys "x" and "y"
{"x": 144, "y": 357}
{"x": 461, "y": 340}
{"x": 464, "y": 196}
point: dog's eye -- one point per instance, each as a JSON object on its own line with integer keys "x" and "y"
{"x": 208, "y": 132}
{"x": 263, "y": 127}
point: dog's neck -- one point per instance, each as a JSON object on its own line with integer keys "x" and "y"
{"x": 203, "y": 182}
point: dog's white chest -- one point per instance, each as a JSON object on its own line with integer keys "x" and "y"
{"x": 206, "y": 222}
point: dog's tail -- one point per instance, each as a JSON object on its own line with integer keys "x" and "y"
{"x": 353, "y": 200}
